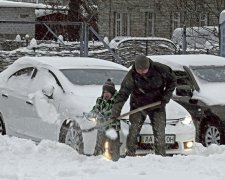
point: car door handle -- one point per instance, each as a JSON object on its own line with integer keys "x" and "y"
{"x": 5, "y": 95}
{"x": 29, "y": 102}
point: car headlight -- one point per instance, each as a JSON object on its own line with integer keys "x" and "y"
{"x": 90, "y": 116}
{"x": 187, "y": 120}
{"x": 93, "y": 119}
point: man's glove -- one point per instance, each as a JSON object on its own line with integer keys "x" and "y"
{"x": 113, "y": 118}
{"x": 164, "y": 101}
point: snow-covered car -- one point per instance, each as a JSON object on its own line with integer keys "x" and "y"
{"x": 128, "y": 47}
{"x": 113, "y": 44}
{"x": 197, "y": 38}
{"x": 42, "y": 96}
{"x": 121, "y": 41}
{"x": 201, "y": 86}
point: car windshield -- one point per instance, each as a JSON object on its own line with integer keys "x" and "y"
{"x": 210, "y": 73}
{"x": 93, "y": 76}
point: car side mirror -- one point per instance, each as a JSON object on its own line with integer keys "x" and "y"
{"x": 184, "y": 90}
{"x": 48, "y": 91}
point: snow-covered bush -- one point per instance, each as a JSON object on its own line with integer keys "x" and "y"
{"x": 18, "y": 38}
{"x": 106, "y": 40}
{"x": 33, "y": 44}
{"x": 60, "y": 39}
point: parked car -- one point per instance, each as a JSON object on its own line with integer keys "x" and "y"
{"x": 113, "y": 44}
{"x": 128, "y": 47}
{"x": 45, "y": 97}
{"x": 201, "y": 86}
{"x": 149, "y": 42}
{"x": 198, "y": 38}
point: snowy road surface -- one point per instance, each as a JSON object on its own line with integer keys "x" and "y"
{"x": 23, "y": 160}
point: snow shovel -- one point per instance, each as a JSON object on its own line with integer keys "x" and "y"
{"x": 106, "y": 123}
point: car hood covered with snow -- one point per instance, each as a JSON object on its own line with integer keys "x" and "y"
{"x": 209, "y": 94}
{"x": 89, "y": 94}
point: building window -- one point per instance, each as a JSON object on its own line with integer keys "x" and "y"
{"x": 150, "y": 23}
{"x": 175, "y": 20}
{"x": 122, "y": 24}
{"x": 203, "y": 20}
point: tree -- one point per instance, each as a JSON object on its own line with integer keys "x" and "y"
{"x": 81, "y": 11}
{"x": 195, "y": 13}
{"x": 74, "y": 12}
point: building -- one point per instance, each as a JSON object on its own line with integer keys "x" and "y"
{"x": 61, "y": 2}
{"x": 41, "y": 32}
{"x": 140, "y": 18}
{"x": 151, "y": 18}
{"x": 14, "y": 11}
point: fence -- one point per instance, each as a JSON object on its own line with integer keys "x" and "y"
{"x": 197, "y": 40}
{"x": 121, "y": 49}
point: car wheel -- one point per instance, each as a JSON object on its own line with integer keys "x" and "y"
{"x": 212, "y": 134}
{"x": 71, "y": 135}
{"x": 2, "y": 126}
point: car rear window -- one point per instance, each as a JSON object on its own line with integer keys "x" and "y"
{"x": 93, "y": 76}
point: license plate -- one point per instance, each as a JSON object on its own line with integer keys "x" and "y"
{"x": 149, "y": 139}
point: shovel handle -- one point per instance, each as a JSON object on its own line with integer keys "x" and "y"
{"x": 157, "y": 103}
{"x": 104, "y": 124}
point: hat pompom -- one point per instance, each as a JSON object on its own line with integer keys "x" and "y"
{"x": 108, "y": 80}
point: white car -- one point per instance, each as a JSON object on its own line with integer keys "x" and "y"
{"x": 45, "y": 97}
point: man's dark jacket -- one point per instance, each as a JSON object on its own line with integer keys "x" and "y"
{"x": 157, "y": 85}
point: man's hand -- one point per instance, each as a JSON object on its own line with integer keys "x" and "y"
{"x": 164, "y": 101}
{"x": 163, "y": 104}
{"x": 113, "y": 119}
{"x": 114, "y": 123}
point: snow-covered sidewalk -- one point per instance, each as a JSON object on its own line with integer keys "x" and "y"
{"x": 24, "y": 160}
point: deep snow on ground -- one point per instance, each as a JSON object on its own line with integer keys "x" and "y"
{"x": 24, "y": 160}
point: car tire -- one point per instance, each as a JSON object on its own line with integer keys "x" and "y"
{"x": 2, "y": 126}
{"x": 71, "y": 135}
{"x": 212, "y": 134}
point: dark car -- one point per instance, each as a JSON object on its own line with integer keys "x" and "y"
{"x": 200, "y": 89}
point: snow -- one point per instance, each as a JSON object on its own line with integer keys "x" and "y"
{"x": 4, "y": 3}
{"x": 18, "y": 38}
{"x": 60, "y": 39}
{"x": 111, "y": 133}
{"x": 114, "y": 43}
{"x": 197, "y": 37}
{"x": 178, "y": 61}
{"x": 211, "y": 96}
{"x": 47, "y": 10}
{"x": 24, "y": 160}
{"x": 45, "y": 110}
{"x": 33, "y": 44}
{"x": 71, "y": 62}
{"x": 40, "y": 9}
{"x": 222, "y": 17}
